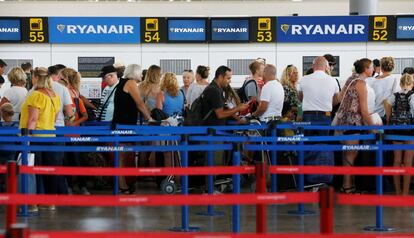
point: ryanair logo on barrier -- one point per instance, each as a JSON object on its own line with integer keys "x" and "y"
{"x": 98, "y": 29}
{"x": 94, "y": 29}
{"x": 323, "y": 29}
{"x": 231, "y": 30}
{"x": 359, "y": 147}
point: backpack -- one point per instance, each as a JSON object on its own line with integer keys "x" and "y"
{"x": 195, "y": 116}
{"x": 401, "y": 110}
{"x": 242, "y": 91}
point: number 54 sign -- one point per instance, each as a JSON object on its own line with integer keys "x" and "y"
{"x": 35, "y": 30}
{"x": 153, "y": 30}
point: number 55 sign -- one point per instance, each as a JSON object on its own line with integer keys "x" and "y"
{"x": 35, "y": 30}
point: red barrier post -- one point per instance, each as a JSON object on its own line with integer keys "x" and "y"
{"x": 18, "y": 231}
{"x": 11, "y": 183}
{"x": 326, "y": 204}
{"x": 261, "y": 225}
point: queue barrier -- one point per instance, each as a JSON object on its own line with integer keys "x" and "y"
{"x": 128, "y": 131}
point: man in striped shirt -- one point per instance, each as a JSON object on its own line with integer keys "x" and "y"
{"x": 105, "y": 111}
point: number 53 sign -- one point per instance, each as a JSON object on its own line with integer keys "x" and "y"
{"x": 263, "y": 29}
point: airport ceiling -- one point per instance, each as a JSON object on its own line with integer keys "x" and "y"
{"x": 165, "y": 0}
{"x": 168, "y": 0}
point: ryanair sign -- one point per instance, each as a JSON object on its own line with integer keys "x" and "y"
{"x": 405, "y": 28}
{"x": 230, "y": 30}
{"x": 94, "y": 30}
{"x": 10, "y": 30}
{"x": 322, "y": 29}
{"x": 187, "y": 30}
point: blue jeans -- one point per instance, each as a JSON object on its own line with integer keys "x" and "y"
{"x": 317, "y": 119}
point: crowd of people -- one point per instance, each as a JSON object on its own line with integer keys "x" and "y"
{"x": 43, "y": 98}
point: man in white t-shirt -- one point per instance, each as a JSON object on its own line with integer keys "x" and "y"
{"x": 272, "y": 96}
{"x": 318, "y": 92}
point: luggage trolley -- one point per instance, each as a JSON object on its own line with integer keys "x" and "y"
{"x": 169, "y": 185}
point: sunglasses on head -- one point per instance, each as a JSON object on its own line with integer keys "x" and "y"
{"x": 290, "y": 65}
{"x": 188, "y": 70}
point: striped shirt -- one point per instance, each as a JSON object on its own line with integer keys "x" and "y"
{"x": 108, "y": 111}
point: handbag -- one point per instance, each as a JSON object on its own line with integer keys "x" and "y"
{"x": 335, "y": 120}
{"x": 30, "y": 159}
{"x": 376, "y": 119}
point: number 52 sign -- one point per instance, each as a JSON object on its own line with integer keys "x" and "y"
{"x": 35, "y": 30}
{"x": 381, "y": 28}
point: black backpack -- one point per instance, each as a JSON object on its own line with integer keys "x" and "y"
{"x": 401, "y": 111}
{"x": 242, "y": 91}
{"x": 195, "y": 116}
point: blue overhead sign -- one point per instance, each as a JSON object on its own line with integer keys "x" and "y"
{"x": 94, "y": 30}
{"x": 229, "y": 30}
{"x": 405, "y": 28}
{"x": 187, "y": 30}
{"x": 322, "y": 29}
{"x": 10, "y": 30}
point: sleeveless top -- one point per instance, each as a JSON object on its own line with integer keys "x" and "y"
{"x": 349, "y": 112}
{"x": 173, "y": 105}
{"x": 126, "y": 111}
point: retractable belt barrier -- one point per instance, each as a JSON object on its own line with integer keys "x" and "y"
{"x": 228, "y": 142}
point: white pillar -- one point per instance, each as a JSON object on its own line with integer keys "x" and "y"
{"x": 363, "y": 7}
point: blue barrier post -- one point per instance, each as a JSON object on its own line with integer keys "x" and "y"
{"x": 185, "y": 226}
{"x": 379, "y": 224}
{"x": 273, "y": 156}
{"x": 210, "y": 179}
{"x": 301, "y": 185}
{"x": 237, "y": 147}
{"x": 116, "y": 165}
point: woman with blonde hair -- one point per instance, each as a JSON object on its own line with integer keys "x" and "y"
{"x": 384, "y": 85}
{"x": 150, "y": 87}
{"x": 170, "y": 99}
{"x": 291, "y": 104}
{"x": 71, "y": 79}
{"x": 399, "y": 108}
{"x": 39, "y": 112}
{"x": 16, "y": 94}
